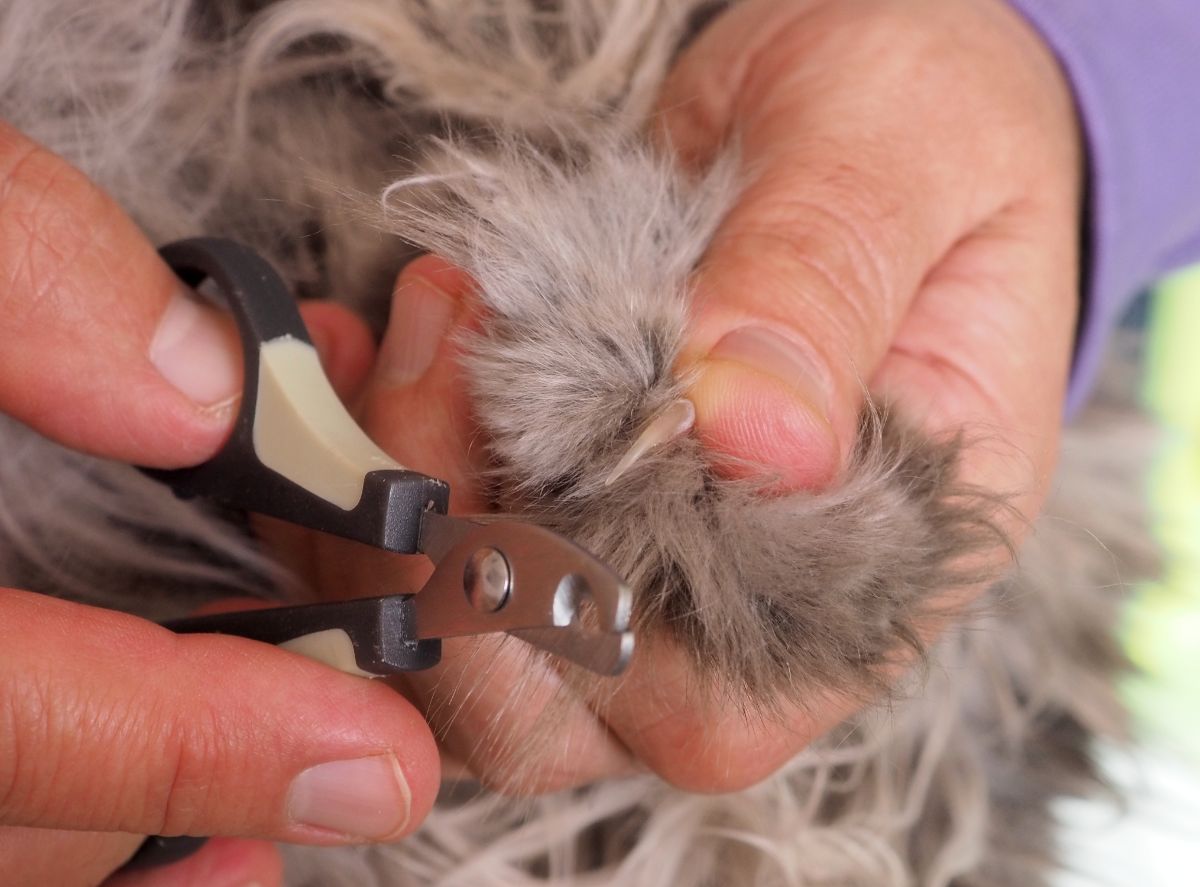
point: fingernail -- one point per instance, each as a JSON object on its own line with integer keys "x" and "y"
{"x": 366, "y": 798}
{"x": 195, "y": 349}
{"x": 421, "y": 315}
{"x": 765, "y": 351}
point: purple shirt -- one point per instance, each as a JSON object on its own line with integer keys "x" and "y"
{"x": 1135, "y": 68}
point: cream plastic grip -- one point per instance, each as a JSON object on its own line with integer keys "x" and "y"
{"x": 295, "y": 453}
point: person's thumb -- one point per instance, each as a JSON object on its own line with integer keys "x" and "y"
{"x": 846, "y": 208}
{"x": 110, "y": 723}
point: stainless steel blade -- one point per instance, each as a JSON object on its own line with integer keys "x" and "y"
{"x": 523, "y": 579}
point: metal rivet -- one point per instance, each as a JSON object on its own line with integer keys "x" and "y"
{"x": 487, "y": 580}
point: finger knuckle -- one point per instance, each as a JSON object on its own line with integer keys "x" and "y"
{"x": 190, "y": 760}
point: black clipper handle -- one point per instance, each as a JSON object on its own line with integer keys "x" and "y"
{"x": 388, "y": 513}
{"x": 372, "y": 637}
{"x": 157, "y": 851}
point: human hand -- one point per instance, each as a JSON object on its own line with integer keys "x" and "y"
{"x": 910, "y": 228}
{"x": 111, "y": 727}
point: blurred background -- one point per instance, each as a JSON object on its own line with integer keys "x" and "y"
{"x": 1154, "y": 839}
{"x": 1163, "y": 625}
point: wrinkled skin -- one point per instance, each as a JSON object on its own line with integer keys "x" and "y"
{"x": 910, "y": 227}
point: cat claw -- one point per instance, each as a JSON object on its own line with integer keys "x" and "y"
{"x": 672, "y": 421}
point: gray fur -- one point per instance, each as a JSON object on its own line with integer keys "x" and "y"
{"x": 587, "y": 301}
{"x": 282, "y": 127}
{"x": 947, "y": 785}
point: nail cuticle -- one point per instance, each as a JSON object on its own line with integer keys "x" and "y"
{"x": 766, "y": 351}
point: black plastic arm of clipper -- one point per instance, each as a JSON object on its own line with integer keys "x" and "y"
{"x": 157, "y": 851}
{"x": 381, "y": 630}
{"x": 388, "y": 515}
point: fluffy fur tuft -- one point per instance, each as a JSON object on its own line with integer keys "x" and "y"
{"x": 586, "y": 302}
{"x": 504, "y": 133}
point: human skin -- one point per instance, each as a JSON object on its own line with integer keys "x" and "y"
{"x": 910, "y": 228}
{"x": 111, "y": 727}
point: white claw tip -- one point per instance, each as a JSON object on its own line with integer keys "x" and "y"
{"x": 673, "y": 420}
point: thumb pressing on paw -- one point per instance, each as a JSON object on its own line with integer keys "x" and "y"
{"x": 809, "y": 276}
{"x": 890, "y": 153}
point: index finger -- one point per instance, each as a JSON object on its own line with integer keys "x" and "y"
{"x": 103, "y": 349}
